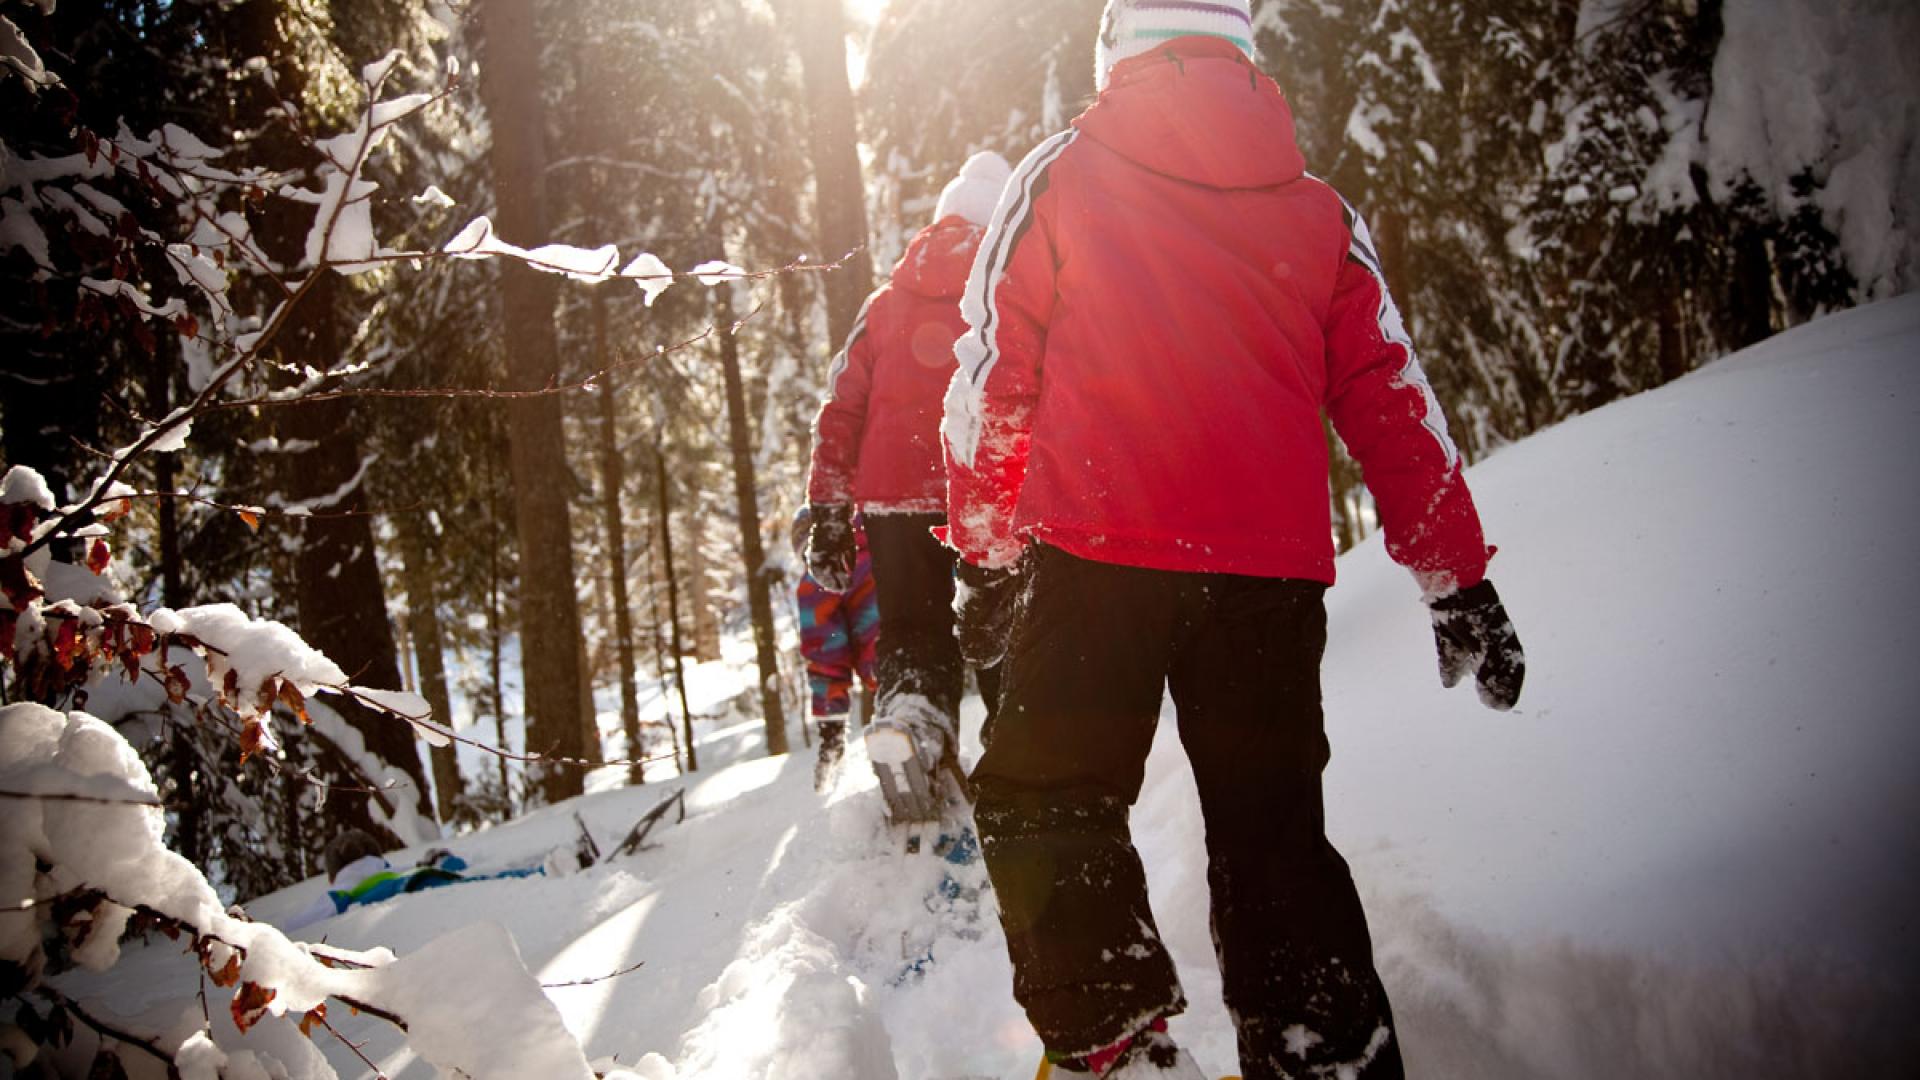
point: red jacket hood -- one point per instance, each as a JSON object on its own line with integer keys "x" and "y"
{"x": 1197, "y": 110}
{"x": 939, "y": 258}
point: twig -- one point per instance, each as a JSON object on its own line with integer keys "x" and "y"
{"x": 596, "y": 979}
{"x": 198, "y": 935}
{"x": 216, "y": 712}
{"x": 530, "y": 758}
{"x": 257, "y": 511}
{"x": 282, "y": 314}
{"x": 274, "y": 324}
{"x": 68, "y": 797}
{"x": 107, "y": 1030}
{"x": 590, "y": 382}
{"x": 353, "y": 1046}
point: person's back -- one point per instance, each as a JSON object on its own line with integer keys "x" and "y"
{"x": 1165, "y": 305}
{"x": 1192, "y": 348}
{"x": 877, "y": 447}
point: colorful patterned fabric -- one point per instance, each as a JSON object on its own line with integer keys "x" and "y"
{"x": 839, "y": 633}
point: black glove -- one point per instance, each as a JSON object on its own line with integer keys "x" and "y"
{"x": 983, "y": 604}
{"x": 1473, "y": 633}
{"x": 830, "y": 546}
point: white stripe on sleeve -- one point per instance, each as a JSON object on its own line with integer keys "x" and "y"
{"x": 978, "y": 350}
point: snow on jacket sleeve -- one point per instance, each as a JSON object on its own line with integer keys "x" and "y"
{"x": 842, "y": 420}
{"x": 988, "y": 424}
{"x": 1385, "y": 410}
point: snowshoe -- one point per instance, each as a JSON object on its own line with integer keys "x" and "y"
{"x": 908, "y": 746}
{"x": 833, "y": 747}
{"x": 956, "y": 904}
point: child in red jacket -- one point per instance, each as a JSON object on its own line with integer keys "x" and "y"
{"x": 876, "y": 446}
{"x": 1164, "y": 307}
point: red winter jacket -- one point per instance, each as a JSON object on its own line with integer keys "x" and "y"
{"x": 1163, "y": 306}
{"x": 876, "y": 441}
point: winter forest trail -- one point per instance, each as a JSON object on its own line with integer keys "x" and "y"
{"x": 1693, "y": 851}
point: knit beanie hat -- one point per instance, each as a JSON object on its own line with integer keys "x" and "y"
{"x": 1131, "y": 27}
{"x": 976, "y": 191}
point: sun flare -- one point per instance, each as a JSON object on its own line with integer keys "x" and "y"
{"x": 865, "y": 12}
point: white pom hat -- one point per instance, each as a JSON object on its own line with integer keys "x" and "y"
{"x": 976, "y": 191}
{"x": 1131, "y": 27}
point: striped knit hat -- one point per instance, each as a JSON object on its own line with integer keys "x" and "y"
{"x": 1131, "y": 27}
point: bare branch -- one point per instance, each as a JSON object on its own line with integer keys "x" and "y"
{"x": 353, "y": 1046}
{"x": 488, "y": 748}
{"x": 588, "y": 383}
{"x": 257, "y": 511}
{"x": 48, "y": 796}
{"x": 597, "y": 978}
{"x": 107, "y": 1030}
{"x": 124, "y": 458}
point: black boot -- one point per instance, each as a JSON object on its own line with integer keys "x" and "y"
{"x": 833, "y": 745}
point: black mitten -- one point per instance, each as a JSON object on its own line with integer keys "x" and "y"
{"x": 1473, "y": 634}
{"x": 983, "y": 606}
{"x": 830, "y": 551}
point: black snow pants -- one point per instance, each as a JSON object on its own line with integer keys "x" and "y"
{"x": 1094, "y": 645}
{"x": 913, "y": 582}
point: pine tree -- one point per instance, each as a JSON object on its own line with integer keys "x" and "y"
{"x": 549, "y": 614}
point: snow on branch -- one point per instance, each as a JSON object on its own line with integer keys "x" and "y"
{"x": 81, "y": 852}
{"x": 19, "y": 57}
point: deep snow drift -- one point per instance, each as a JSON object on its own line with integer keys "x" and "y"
{"x": 1694, "y": 850}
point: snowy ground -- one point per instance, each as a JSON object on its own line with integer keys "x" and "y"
{"x": 1694, "y": 851}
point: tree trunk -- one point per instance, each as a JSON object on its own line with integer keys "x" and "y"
{"x": 173, "y": 591}
{"x": 497, "y": 681}
{"x": 339, "y": 596}
{"x": 589, "y": 713}
{"x": 423, "y": 616}
{"x": 1672, "y": 339}
{"x": 549, "y": 613}
{"x": 673, "y": 597}
{"x": 613, "y": 481}
{"x": 759, "y": 601}
{"x": 403, "y": 641}
{"x": 820, "y": 36}
{"x": 706, "y": 621}
{"x": 660, "y": 660}
{"x": 1752, "y": 294}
